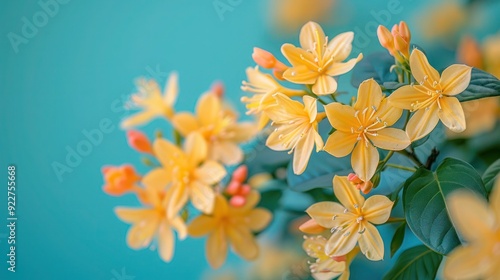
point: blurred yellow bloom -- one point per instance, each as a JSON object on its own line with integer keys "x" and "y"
{"x": 433, "y": 98}
{"x": 479, "y": 224}
{"x": 290, "y": 15}
{"x": 153, "y": 104}
{"x": 317, "y": 61}
{"x": 276, "y": 262}
{"x": 361, "y": 128}
{"x": 491, "y": 50}
{"x": 442, "y": 20}
{"x": 231, "y": 225}
{"x": 327, "y": 267}
{"x": 150, "y": 222}
{"x": 185, "y": 174}
{"x": 296, "y": 128}
{"x": 219, "y": 128}
{"x": 264, "y": 86}
{"x": 396, "y": 41}
{"x": 352, "y": 222}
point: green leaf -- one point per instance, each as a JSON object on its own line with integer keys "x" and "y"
{"x": 490, "y": 175}
{"x": 377, "y": 66}
{"x": 397, "y": 239}
{"x": 271, "y": 195}
{"x": 482, "y": 84}
{"x": 424, "y": 201}
{"x": 418, "y": 262}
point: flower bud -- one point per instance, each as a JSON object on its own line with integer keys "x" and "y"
{"x": 264, "y": 58}
{"x": 385, "y": 38}
{"x": 119, "y": 180}
{"x": 138, "y": 141}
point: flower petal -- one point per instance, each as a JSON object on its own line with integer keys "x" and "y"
{"x": 165, "y": 152}
{"x": 131, "y": 215}
{"x": 371, "y": 243}
{"x": 455, "y": 79}
{"x": 388, "y": 113}
{"x": 171, "y": 89}
{"x": 312, "y": 38}
{"x": 298, "y": 57}
{"x": 347, "y": 194}
{"x": 337, "y": 69}
{"x": 175, "y": 198}
{"x": 216, "y": 248}
{"x": 303, "y": 151}
{"x": 141, "y": 234}
{"x": 208, "y": 109}
{"x": 220, "y": 207}
{"x": 165, "y": 242}
{"x": 210, "y": 172}
{"x": 405, "y": 96}
{"x": 227, "y": 152}
{"x": 340, "y": 144}
{"x": 180, "y": 226}
{"x": 421, "y": 70}
{"x": 258, "y": 219}
{"x": 422, "y": 122}
{"x": 323, "y": 213}
{"x": 342, "y": 242}
{"x": 300, "y": 75}
{"x": 202, "y": 225}
{"x": 324, "y": 85}
{"x": 138, "y": 119}
{"x": 157, "y": 179}
{"x": 452, "y": 114}
{"x": 195, "y": 148}
{"x": 202, "y": 197}
{"x": 369, "y": 94}
{"x": 311, "y": 107}
{"x": 390, "y": 139}
{"x": 377, "y": 209}
{"x": 364, "y": 160}
{"x": 243, "y": 242}
{"x": 466, "y": 263}
{"x": 340, "y": 46}
{"x": 341, "y": 117}
{"x": 185, "y": 123}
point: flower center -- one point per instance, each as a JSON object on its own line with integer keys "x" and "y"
{"x": 369, "y": 124}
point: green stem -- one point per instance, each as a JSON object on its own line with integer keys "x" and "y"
{"x": 333, "y": 97}
{"x": 317, "y": 98}
{"x": 412, "y": 157}
{"x": 177, "y": 138}
{"x": 401, "y": 167}
{"x": 395, "y": 220}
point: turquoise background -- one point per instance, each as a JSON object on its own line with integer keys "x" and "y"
{"x": 75, "y": 72}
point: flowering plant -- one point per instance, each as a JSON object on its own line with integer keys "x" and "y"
{"x": 376, "y": 149}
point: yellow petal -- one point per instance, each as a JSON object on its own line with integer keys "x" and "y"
{"x": 405, "y": 96}
{"x": 340, "y": 144}
{"x": 324, "y": 85}
{"x": 157, "y": 179}
{"x": 300, "y": 75}
{"x": 371, "y": 243}
{"x": 388, "y": 113}
{"x": 202, "y": 197}
{"x": 175, "y": 198}
{"x": 253, "y": 199}
{"x": 263, "y": 120}
{"x": 452, "y": 114}
{"x": 311, "y": 107}
{"x": 242, "y": 131}
{"x": 422, "y": 122}
{"x": 258, "y": 219}
{"x": 195, "y": 147}
{"x": 165, "y": 242}
{"x": 377, "y": 209}
{"x": 171, "y": 89}
{"x": 421, "y": 69}
{"x": 312, "y": 38}
{"x": 180, "y": 226}
{"x": 474, "y": 222}
{"x": 369, "y": 94}
{"x": 302, "y": 152}
{"x": 216, "y": 248}
{"x": 466, "y": 263}
{"x": 131, "y": 215}
{"x": 208, "y": 109}
{"x": 455, "y": 79}
{"x": 227, "y": 152}
{"x": 390, "y": 139}
{"x": 243, "y": 242}
{"x": 364, "y": 160}
{"x": 138, "y": 119}
{"x": 166, "y": 151}
{"x": 141, "y": 234}
{"x": 318, "y": 140}
{"x": 298, "y": 57}
{"x": 342, "y": 242}
{"x": 323, "y": 213}
{"x": 185, "y": 123}
{"x": 495, "y": 198}
{"x": 327, "y": 269}
{"x": 210, "y": 172}
{"x": 290, "y": 106}
{"x": 347, "y": 194}
{"x": 337, "y": 69}
{"x": 340, "y": 46}
{"x": 341, "y": 117}
{"x": 202, "y": 225}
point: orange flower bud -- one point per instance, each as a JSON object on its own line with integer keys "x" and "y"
{"x": 361, "y": 185}
{"x": 311, "y": 227}
{"x": 237, "y": 201}
{"x": 264, "y": 58}
{"x": 138, "y": 141}
{"x": 119, "y": 180}
{"x": 240, "y": 174}
{"x": 385, "y": 38}
{"x": 404, "y": 31}
{"x": 469, "y": 52}
{"x": 402, "y": 46}
{"x": 218, "y": 89}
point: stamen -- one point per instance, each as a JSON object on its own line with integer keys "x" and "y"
{"x": 334, "y": 217}
{"x": 345, "y": 210}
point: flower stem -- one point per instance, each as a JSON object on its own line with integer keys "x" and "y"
{"x": 412, "y": 157}
{"x": 317, "y": 98}
{"x": 395, "y": 220}
{"x": 401, "y": 167}
{"x": 177, "y": 138}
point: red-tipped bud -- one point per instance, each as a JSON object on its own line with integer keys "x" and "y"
{"x": 119, "y": 180}
{"x": 218, "y": 89}
{"x": 240, "y": 174}
{"x": 264, "y": 58}
{"x": 138, "y": 141}
{"x": 385, "y": 38}
{"x": 237, "y": 201}
{"x": 233, "y": 188}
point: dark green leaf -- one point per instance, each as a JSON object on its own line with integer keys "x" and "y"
{"x": 491, "y": 174}
{"x": 270, "y": 199}
{"x": 482, "y": 84}
{"x": 418, "y": 262}
{"x": 397, "y": 239}
{"x": 425, "y": 205}
{"x": 376, "y": 66}
{"x": 393, "y": 85}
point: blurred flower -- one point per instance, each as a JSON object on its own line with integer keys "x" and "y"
{"x": 139, "y": 141}
{"x": 442, "y": 20}
{"x": 361, "y": 128}
{"x": 218, "y": 127}
{"x": 481, "y": 115}
{"x": 469, "y": 52}
{"x": 150, "y": 222}
{"x": 153, "y": 104}
{"x": 296, "y": 128}
{"x": 361, "y": 185}
{"x": 327, "y": 267}
{"x": 397, "y": 41}
{"x": 120, "y": 179}
{"x": 479, "y": 224}
{"x": 185, "y": 174}
{"x": 230, "y": 225}
{"x": 237, "y": 188}
{"x": 258, "y": 180}
{"x": 267, "y": 60}
{"x": 290, "y": 15}
{"x": 264, "y": 87}
{"x": 317, "y": 61}
{"x": 433, "y": 98}
{"x": 352, "y": 222}
{"x": 491, "y": 51}
{"x": 276, "y": 262}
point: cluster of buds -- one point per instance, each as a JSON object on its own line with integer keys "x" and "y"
{"x": 237, "y": 188}
{"x": 267, "y": 60}
{"x": 396, "y": 41}
{"x": 361, "y": 185}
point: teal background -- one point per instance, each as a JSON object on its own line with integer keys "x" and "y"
{"x": 77, "y": 71}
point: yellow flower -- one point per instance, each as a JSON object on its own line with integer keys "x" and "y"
{"x": 264, "y": 87}
{"x": 327, "y": 267}
{"x": 361, "y": 128}
{"x": 491, "y": 50}
{"x": 442, "y": 20}
{"x": 296, "y": 128}
{"x": 433, "y": 98}
{"x": 150, "y": 222}
{"x": 231, "y": 225}
{"x": 290, "y": 15}
{"x": 185, "y": 174}
{"x": 153, "y": 104}
{"x": 219, "y": 129}
{"x": 479, "y": 225}
{"x": 317, "y": 61}
{"x": 352, "y": 222}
